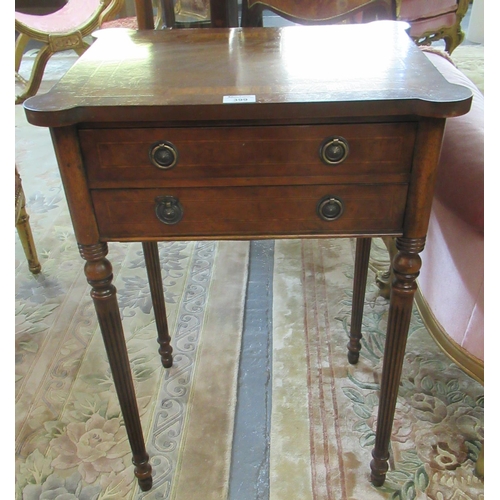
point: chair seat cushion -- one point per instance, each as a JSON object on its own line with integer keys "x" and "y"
{"x": 412, "y": 10}
{"x": 432, "y": 25}
{"x": 460, "y": 177}
{"x": 65, "y": 20}
{"x": 125, "y": 22}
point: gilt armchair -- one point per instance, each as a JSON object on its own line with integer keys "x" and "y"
{"x": 432, "y": 20}
{"x": 64, "y": 29}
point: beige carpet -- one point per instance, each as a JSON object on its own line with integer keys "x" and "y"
{"x": 70, "y": 440}
{"x": 470, "y": 60}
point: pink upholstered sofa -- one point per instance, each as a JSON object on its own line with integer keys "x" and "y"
{"x": 451, "y": 283}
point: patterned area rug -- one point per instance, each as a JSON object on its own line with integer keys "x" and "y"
{"x": 70, "y": 439}
{"x": 324, "y": 410}
{"x": 470, "y": 60}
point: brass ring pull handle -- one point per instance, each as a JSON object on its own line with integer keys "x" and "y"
{"x": 168, "y": 209}
{"x": 334, "y": 150}
{"x": 330, "y": 208}
{"x": 163, "y": 154}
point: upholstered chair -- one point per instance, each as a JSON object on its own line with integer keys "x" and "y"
{"x": 433, "y": 20}
{"x": 313, "y": 12}
{"x": 64, "y": 29}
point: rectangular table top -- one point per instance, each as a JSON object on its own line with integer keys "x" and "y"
{"x": 298, "y": 73}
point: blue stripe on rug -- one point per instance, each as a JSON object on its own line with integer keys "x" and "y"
{"x": 249, "y": 478}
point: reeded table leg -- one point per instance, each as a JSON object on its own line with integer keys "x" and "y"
{"x": 406, "y": 266}
{"x": 99, "y": 274}
{"x": 363, "y": 246}
{"x": 153, "y": 268}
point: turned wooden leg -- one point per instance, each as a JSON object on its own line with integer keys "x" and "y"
{"x": 21, "y": 42}
{"x": 454, "y": 39}
{"x": 406, "y": 266}
{"x": 358, "y": 299}
{"x": 99, "y": 274}
{"x": 25, "y": 235}
{"x": 35, "y": 79}
{"x": 153, "y": 268}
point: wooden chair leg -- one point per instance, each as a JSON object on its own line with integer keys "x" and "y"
{"x": 35, "y": 79}
{"x": 480, "y": 464}
{"x": 25, "y": 235}
{"x": 80, "y": 50}
{"x": 21, "y": 42}
{"x": 454, "y": 39}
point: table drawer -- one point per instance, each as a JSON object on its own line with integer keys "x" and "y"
{"x": 249, "y": 211}
{"x": 214, "y": 156}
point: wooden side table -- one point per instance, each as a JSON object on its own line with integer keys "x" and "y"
{"x": 331, "y": 131}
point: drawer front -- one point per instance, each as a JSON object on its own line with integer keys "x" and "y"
{"x": 220, "y": 156}
{"x": 241, "y": 212}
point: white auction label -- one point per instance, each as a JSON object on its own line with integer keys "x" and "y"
{"x": 231, "y": 99}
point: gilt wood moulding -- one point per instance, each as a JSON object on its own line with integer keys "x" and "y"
{"x": 250, "y": 133}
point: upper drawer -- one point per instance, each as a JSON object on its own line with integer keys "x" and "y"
{"x": 248, "y": 155}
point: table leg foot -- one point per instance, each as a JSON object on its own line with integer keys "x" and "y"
{"x": 152, "y": 258}
{"x": 379, "y": 468}
{"x": 146, "y": 484}
{"x": 363, "y": 246}
{"x": 353, "y": 357}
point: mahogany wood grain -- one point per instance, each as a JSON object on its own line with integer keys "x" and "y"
{"x": 420, "y": 196}
{"x": 212, "y": 213}
{"x": 288, "y": 70}
{"x": 250, "y": 170}
{"x": 74, "y": 178}
{"x": 246, "y": 155}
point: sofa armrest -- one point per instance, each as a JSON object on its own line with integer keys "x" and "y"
{"x": 460, "y": 177}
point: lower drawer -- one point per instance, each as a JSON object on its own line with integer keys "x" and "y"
{"x": 232, "y": 212}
